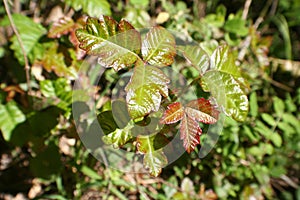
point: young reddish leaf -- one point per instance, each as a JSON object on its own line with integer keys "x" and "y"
{"x": 62, "y": 27}
{"x": 174, "y": 113}
{"x": 144, "y": 90}
{"x": 115, "y": 45}
{"x": 190, "y": 132}
{"x": 201, "y": 110}
{"x": 158, "y": 48}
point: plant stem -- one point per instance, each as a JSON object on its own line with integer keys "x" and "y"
{"x": 27, "y": 67}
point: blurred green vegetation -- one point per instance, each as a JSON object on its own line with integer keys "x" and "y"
{"x": 42, "y": 156}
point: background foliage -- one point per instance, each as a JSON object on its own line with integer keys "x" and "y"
{"x": 42, "y": 157}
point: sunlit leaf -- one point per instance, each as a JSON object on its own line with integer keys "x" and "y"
{"x": 29, "y": 31}
{"x": 226, "y": 84}
{"x": 150, "y": 143}
{"x": 201, "y": 110}
{"x": 119, "y": 137}
{"x": 55, "y": 61}
{"x": 190, "y": 132}
{"x": 151, "y": 146}
{"x": 154, "y": 161}
{"x": 62, "y": 27}
{"x": 173, "y": 113}
{"x": 115, "y": 45}
{"x": 228, "y": 93}
{"x": 144, "y": 90}
{"x": 197, "y": 57}
{"x": 158, "y": 48}
{"x": 10, "y": 117}
{"x": 93, "y": 8}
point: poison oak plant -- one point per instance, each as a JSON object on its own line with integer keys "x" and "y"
{"x": 120, "y": 46}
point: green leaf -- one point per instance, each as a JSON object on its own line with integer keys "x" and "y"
{"x": 268, "y": 119}
{"x": 253, "y": 105}
{"x": 158, "y": 48}
{"x": 93, "y": 8}
{"x": 150, "y": 143}
{"x": 55, "y": 61}
{"x": 120, "y": 136}
{"x": 62, "y": 27}
{"x": 155, "y": 161}
{"x": 197, "y": 57}
{"x": 10, "y": 117}
{"x": 117, "y": 45}
{"x": 228, "y": 93}
{"x": 120, "y": 113}
{"x": 276, "y": 139}
{"x": 226, "y": 84}
{"x": 29, "y": 31}
{"x": 278, "y": 106}
{"x": 144, "y": 90}
{"x": 151, "y": 146}
{"x": 90, "y": 173}
{"x": 141, "y": 3}
{"x": 59, "y": 90}
{"x": 236, "y": 26}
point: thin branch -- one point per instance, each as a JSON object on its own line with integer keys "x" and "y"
{"x": 246, "y": 9}
{"x": 27, "y": 67}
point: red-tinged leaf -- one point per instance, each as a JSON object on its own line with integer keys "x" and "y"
{"x": 202, "y": 110}
{"x": 158, "y": 48}
{"x": 62, "y": 27}
{"x": 190, "y": 132}
{"x": 116, "y": 45}
{"x": 174, "y": 113}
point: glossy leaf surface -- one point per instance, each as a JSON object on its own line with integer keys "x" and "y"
{"x": 228, "y": 93}
{"x": 144, "y": 90}
{"x": 200, "y": 110}
{"x": 116, "y": 45}
{"x": 119, "y": 137}
{"x": 226, "y": 84}
{"x": 197, "y": 57}
{"x": 151, "y": 146}
{"x": 190, "y": 132}
{"x": 158, "y": 48}
{"x": 173, "y": 113}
